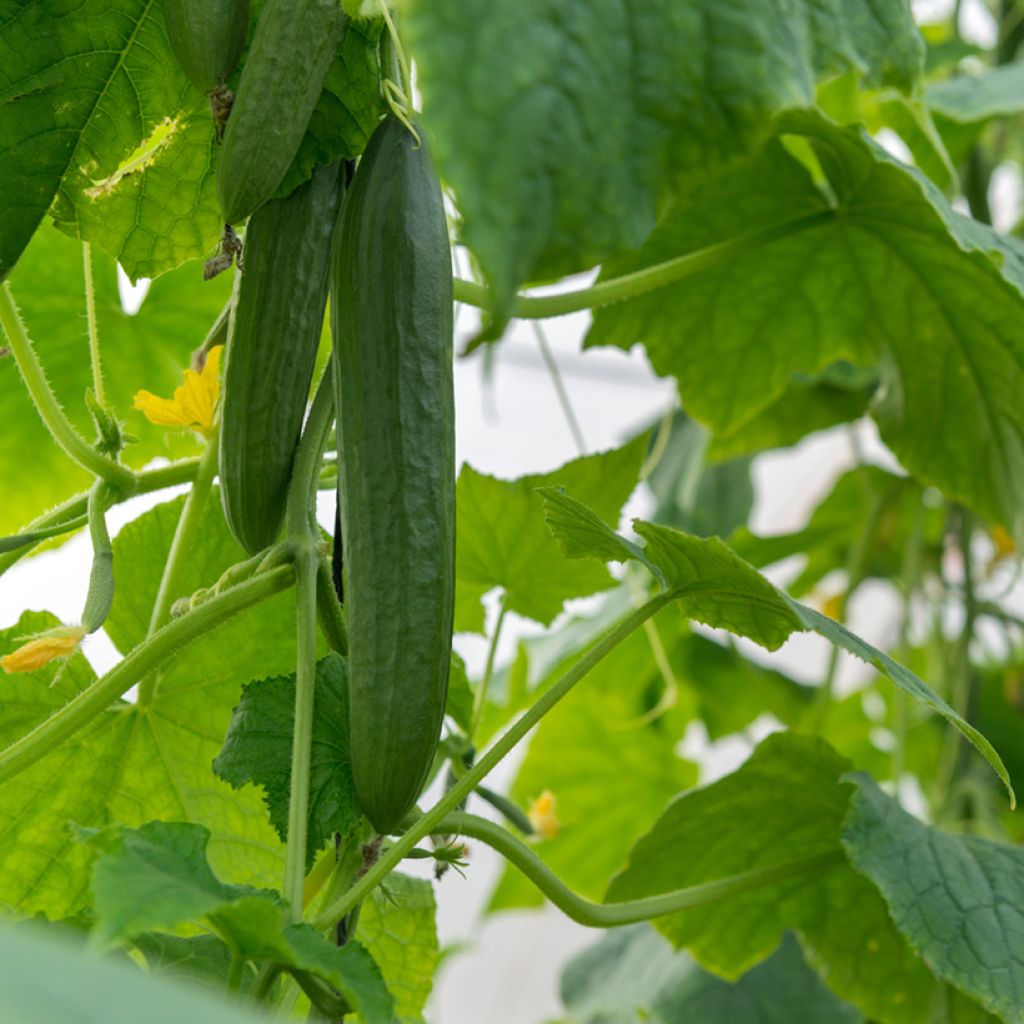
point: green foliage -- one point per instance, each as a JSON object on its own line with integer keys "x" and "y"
{"x": 258, "y": 750}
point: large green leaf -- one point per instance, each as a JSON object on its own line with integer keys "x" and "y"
{"x": 258, "y": 750}
{"x": 785, "y": 803}
{"x": 501, "y": 540}
{"x": 198, "y": 960}
{"x": 525, "y": 100}
{"x": 885, "y": 273}
{"x": 713, "y": 585}
{"x": 633, "y": 975}
{"x": 44, "y": 978}
{"x": 149, "y": 350}
{"x": 134, "y": 765}
{"x": 957, "y": 899}
{"x": 396, "y": 925}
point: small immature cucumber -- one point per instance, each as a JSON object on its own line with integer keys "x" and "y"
{"x": 294, "y": 44}
{"x": 207, "y": 37}
{"x": 272, "y": 343}
{"x": 391, "y": 317}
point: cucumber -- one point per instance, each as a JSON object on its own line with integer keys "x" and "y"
{"x": 273, "y": 338}
{"x": 391, "y": 318}
{"x": 293, "y": 46}
{"x": 207, "y": 37}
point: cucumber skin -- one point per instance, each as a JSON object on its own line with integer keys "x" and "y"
{"x": 207, "y": 37}
{"x": 391, "y": 317}
{"x": 292, "y": 49}
{"x": 275, "y": 329}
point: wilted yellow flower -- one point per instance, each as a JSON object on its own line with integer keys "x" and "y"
{"x": 59, "y": 642}
{"x": 542, "y": 815}
{"x": 193, "y": 404}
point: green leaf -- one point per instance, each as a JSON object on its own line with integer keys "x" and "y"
{"x": 518, "y": 127}
{"x": 501, "y": 540}
{"x": 158, "y": 876}
{"x": 892, "y": 276}
{"x": 258, "y": 750}
{"x": 42, "y": 868}
{"x": 955, "y": 898}
{"x": 198, "y": 960}
{"x": 155, "y": 877}
{"x": 787, "y": 802}
{"x": 44, "y": 978}
{"x": 149, "y": 350}
{"x": 460, "y": 698}
{"x": 396, "y": 925}
{"x": 633, "y": 974}
{"x": 715, "y": 586}
{"x": 611, "y": 764}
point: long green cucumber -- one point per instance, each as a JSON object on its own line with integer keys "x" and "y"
{"x": 207, "y": 37}
{"x": 273, "y": 337}
{"x": 391, "y": 316}
{"x": 293, "y": 46}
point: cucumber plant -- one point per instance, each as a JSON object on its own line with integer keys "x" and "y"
{"x": 332, "y": 638}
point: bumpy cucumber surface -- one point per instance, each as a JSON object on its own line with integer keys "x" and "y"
{"x": 272, "y": 343}
{"x": 207, "y": 37}
{"x": 391, "y": 315}
{"x": 294, "y": 44}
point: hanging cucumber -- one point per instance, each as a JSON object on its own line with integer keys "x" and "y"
{"x": 293, "y": 46}
{"x": 392, "y": 324}
{"x": 272, "y": 343}
{"x": 207, "y": 37}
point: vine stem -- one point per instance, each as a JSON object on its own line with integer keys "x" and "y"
{"x": 618, "y": 289}
{"x": 150, "y": 654}
{"x": 613, "y": 915}
{"x": 485, "y": 684}
{"x": 306, "y": 565}
{"x": 94, "y": 335}
{"x": 181, "y": 546}
{"x": 45, "y": 401}
{"x": 424, "y": 825}
{"x": 560, "y": 390}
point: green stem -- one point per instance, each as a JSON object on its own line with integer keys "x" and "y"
{"x": 618, "y": 289}
{"x": 46, "y": 402}
{"x": 425, "y": 825}
{"x": 177, "y": 557}
{"x": 34, "y": 537}
{"x": 216, "y": 335}
{"x": 613, "y": 915}
{"x": 150, "y": 654}
{"x": 306, "y": 565}
{"x": 480, "y": 703}
{"x": 100, "y": 596}
{"x": 563, "y": 395}
{"x": 308, "y": 459}
{"x": 268, "y": 974}
{"x": 329, "y": 611}
{"x": 94, "y": 336}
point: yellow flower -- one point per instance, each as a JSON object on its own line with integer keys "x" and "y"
{"x": 193, "y": 404}
{"x": 542, "y": 815}
{"x": 832, "y": 606}
{"x": 44, "y": 648}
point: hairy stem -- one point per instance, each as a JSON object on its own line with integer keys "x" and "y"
{"x": 177, "y": 557}
{"x": 618, "y": 289}
{"x": 424, "y": 825}
{"x": 45, "y": 401}
{"x": 150, "y": 654}
{"x": 94, "y": 335}
{"x": 17, "y": 541}
{"x": 613, "y": 915}
{"x": 306, "y": 565}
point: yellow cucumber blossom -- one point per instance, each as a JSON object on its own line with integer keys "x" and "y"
{"x": 542, "y": 815}
{"x": 193, "y": 404}
{"x": 60, "y": 642}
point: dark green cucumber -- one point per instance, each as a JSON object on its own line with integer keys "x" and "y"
{"x": 294, "y": 44}
{"x": 272, "y": 343}
{"x": 207, "y": 37}
{"x": 391, "y": 316}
